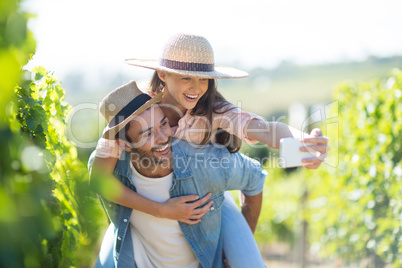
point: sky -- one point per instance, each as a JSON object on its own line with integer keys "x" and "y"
{"x": 86, "y": 35}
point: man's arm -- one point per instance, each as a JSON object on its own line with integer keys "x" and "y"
{"x": 247, "y": 175}
{"x": 251, "y": 208}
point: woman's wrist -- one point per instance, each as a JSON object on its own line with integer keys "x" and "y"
{"x": 160, "y": 210}
{"x": 108, "y": 148}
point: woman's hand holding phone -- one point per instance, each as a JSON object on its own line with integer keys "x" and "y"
{"x": 309, "y": 151}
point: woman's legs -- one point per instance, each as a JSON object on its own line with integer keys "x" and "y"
{"x": 238, "y": 241}
{"x": 105, "y": 258}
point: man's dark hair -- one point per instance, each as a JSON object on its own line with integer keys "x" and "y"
{"x": 122, "y": 134}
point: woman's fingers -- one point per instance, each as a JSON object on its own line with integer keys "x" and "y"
{"x": 320, "y": 158}
{"x": 316, "y": 132}
{"x": 315, "y": 166}
{"x": 313, "y": 163}
{"x": 198, "y": 214}
{"x": 201, "y": 201}
{"x": 315, "y": 137}
{"x": 188, "y": 198}
{"x": 201, "y": 211}
{"x": 316, "y": 148}
{"x": 317, "y": 140}
{"x": 191, "y": 222}
{"x": 316, "y": 144}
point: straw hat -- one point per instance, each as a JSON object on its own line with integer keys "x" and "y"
{"x": 189, "y": 55}
{"x": 123, "y": 104}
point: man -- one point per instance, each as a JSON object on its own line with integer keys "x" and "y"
{"x": 159, "y": 167}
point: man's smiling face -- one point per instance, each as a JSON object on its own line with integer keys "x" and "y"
{"x": 151, "y": 137}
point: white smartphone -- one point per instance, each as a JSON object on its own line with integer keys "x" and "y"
{"x": 289, "y": 153}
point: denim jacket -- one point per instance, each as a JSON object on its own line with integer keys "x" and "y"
{"x": 198, "y": 171}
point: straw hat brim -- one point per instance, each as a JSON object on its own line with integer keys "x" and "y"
{"x": 110, "y": 132}
{"x": 220, "y": 72}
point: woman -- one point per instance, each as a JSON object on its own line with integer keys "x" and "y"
{"x": 198, "y": 113}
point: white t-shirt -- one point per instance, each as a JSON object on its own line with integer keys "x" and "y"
{"x": 158, "y": 242}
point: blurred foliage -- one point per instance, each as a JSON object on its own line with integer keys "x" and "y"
{"x": 259, "y": 152}
{"x": 48, "y": 210}
{"x": 354, "y": 201}
{"x": 48, "y": 216}
{"x": 280, "y": 214}
{"x": 355, "y": 208}
{"x": 16, "y": 47}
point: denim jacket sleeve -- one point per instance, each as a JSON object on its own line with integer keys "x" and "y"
{"x": 245, "y": 174}
{"x": 218, "y": 168}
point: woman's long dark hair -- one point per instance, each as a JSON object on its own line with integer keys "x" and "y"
{"x": 211, "y": 102}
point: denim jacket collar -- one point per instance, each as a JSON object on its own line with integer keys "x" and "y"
{"x": 181, "y": 169}
{"x": 123, "y": 167}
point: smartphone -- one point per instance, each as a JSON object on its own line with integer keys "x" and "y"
{"x": 289, "y": 153}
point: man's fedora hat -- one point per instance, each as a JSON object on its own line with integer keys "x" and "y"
{"x": 123, "y": 104}
{"x": 188, "y": 55}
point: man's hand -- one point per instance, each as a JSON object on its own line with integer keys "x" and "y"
{"x": 179, "y": 208}
{"x": 319, "y": 149}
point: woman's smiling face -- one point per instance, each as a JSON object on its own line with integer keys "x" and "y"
{"x": 183, "y": 91}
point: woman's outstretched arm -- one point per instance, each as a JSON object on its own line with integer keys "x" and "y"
{"x": 252, "y": 128}
{"x": 270, "y": 133}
